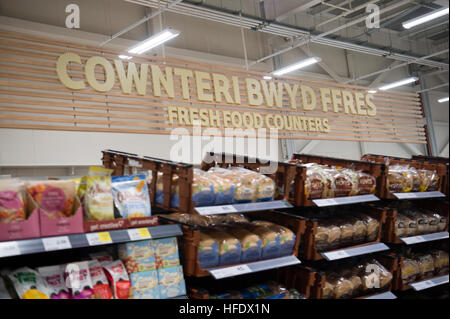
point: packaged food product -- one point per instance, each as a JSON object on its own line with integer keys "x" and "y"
{"x": 287, "y": 237}
{"x": 415, "y": 179}
{"x": 384, "y": 276}
{"x": 399, "y": 179}
{"x": 145, "y": 285}
{"x": 372, "y": 226}
{"x": 55, "y": 197}
{"x": 265, "y": 186}
{"x": 250, "y": 243}
{"x": 422, "y": 221}
{"x": 137, "y": 256}
{"x": 401, "y": 226}
{"x": 99, "y": 281}
{"x": 410, "y": 270}
{"x": 367, "y": 184}
{"x": 440, "y": 259}
{"x": 343, "y": 183}
{"x": 229, "y": 247}
{"x": 321, "y": 237}
{"x": 118, "y": 277}
{"x": 359, "y": 229}
{"x": 202, "y": 189}
{"x": 12, "y": 201}
{"x": 171, "y": 282}
{"x": 342, "y": 288}
{"x": 29, "y": 284}
{"x": 234, "y": 218}
{"x": 353, "y": 176}
{"x": 166, "y": 252}
{"x": 223, "y": 188}
{"x": 429, "y": 180}
{"x": 208, "y": 251}
{"x": 131, "y": 196}
{"x": 54, "y": 279}
{"x": 426, "y": 265}
{"x": 270, "y": 240}
{"x": 352, "y": 276}
{"x": 78, "y": 280}
{"x": 245, "y": 188}
{"x": 434, "y": 220}
{"x": 334, "y": 235}
{"x": 347, "y": 232}
{"x": 315, "y": 183}
{"x": 327, "y": 290}
{"x": 98, "y": 198}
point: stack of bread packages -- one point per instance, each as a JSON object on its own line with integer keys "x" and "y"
{"x": 415, "y": 222}
{"x": 346, "y": 230}
{"x": 324, "y": 181}
{"x": 405, "y": 179}
{"x": 418, "y": 266}
{"x": 233, "y": 239}
{"x": 351, "y": 281}
{"x": 221, "y": 186}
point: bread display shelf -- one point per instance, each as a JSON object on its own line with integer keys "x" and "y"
{"x": 243, "y": 208}
{"x": 418, "y": 195}
{"x": 191, "y": 242}
{"x": 309, "y": 248}
{"x": 424, "y": 238}
{"x": 354, "y": 251}
{"x": 41, "y": 245}
{"x": 437, "y": 159}
{"x": 242, "y": 269}
{"x": 123, "y": 163}
{"x": 298, "y": 195}
{"x": 382, "y": 295}
{"x": 325, "y": 202}
{"x": 440, "y": 169}
{"x": 430, "y": 283}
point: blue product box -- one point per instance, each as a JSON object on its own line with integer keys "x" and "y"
{"x": 145, "y": 285}
{"x": 166, "y": 252}
{"x": 136, "y": 250}
{"x": 171, "y": 282}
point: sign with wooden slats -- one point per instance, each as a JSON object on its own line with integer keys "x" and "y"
{"x": 52, "y": 85}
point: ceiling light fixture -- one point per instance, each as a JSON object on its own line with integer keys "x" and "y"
{"x": 296, "y": 66}
{"x": 425, "y": 18}
{"x": 125, "y": 57}
{"x": 398, "y": 83}
{"x": 444, "y": 99}
{"x": 372, "y": 91}
{"x": 267, "y": 77}
{"x": 154, "y": 41}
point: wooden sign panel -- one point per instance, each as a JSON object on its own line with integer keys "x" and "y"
{"x": 53, "y": 85}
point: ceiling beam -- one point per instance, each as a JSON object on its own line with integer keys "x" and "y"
{"x": 324, "y": 66}
{"x": 305, "y": 5}
{"x": 381, "y": 76}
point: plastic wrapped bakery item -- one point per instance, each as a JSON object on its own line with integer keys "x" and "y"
{"x": 321, "y": 237}
{"x": 398, "y": 180}
{"x": 353, "y": 276}
{"x": 234, "y": 218}
{"x": 287, "y": 237}
{"x": 410, "y": 270}
{"x": 343, "y": 288}
{"x": 245, "y": 188}
{"x": 202, "y": 190}
{"x": 440, "y": 259}
{"x": 327, "y": 290}
{"x": 12, "y": 201}
{"x": 223, "y": 188}
{"x": 429, "y": 180}
{"x": 265, "y": 186}
{"x": 315, "y": 183}
{"x": 422, "y": 221}
{"x": 372, "y": 226}
{"x": 353, "y": 176}
{"x": 359, "y": 230}
{"x": 229, "y": 247}
{"x": 385, "y": 277}
{"x": 334, "y": 236}
{"x": 434, "y": 220}
{"x": 347, "y": 232}
{"x": 426, "y": 265}
{"x": 250, "y": 243}
{"x": 343, "y": 184}
{"x": 367, "y": 184}
{"x": 208, "y": 251}
{"x": 270, "y": 240}
{"x": 55, "y": 197}
{"x": 401, "y": 226}
{"x": 415, "y": 179}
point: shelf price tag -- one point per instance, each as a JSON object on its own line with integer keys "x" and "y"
{"x": 211, "y": 210}
{"x": 56, "y": 243}
{"x": 336, "y": 255}
{"x": 139, "y": 233}
{"x": 230, "y": 271}
{"x": 421, "y": 285}
{"x": 96, "y": 239}
{"x": 9, "y": 249}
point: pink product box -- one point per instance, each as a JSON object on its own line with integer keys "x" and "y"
{"x": 63, "y": 225}
{"x": 21, "y": 230}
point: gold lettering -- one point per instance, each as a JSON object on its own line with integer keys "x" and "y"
{"x": 183, "y": 116}
{"x": 326, "y": 127}
{"x": 292, "y": 92}
{"x": 359, "y": 98}
{"x": 257, "y": 120}
{"x": 349, "y": 103}
{"x": 202, "y": 86}
{"x": 236, "y": 91}
{"x": 337, "y": 99}
{"x": 184, "y": 76}
{"x": 172, "y": 111}
{"x": 214, "y": 118}
{"x": 226, "y": 118}
{"x": 222, "y": 86}
{"x": 204, "y": 117}
{"x": 61, "y": 70}
{"x": 237, "y": 115}
{"x": 372, "y": 111}
{"x": 89, "y": 71}
{"x": 158, "y": 79}
{"x": 126, "y": 81}
{"x": 273, "y": 94}
{"x": 254, "y": 92}
{"x": 324, "y": 95}
{"x": 247, "y": 119}
{"x": 306, "y": 92}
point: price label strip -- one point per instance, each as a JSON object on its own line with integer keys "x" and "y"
{"x": 357, "y": 251}
{"x": 383, "y": 295}
{"x": 56, "y": 243}
{"x": 10, "y": 248}
{"x": 425, "y": 284}
{"x": 230, "y": 271}
{"x": 95, "y": 239}
{"x": 215, "y": 210}
{"x": 243, "y": 208}
{"x": 344, "y": 200}
{"x": 139, "y": 234}
{"x": 418, "y": 195}
{"x": 424, "y": 238}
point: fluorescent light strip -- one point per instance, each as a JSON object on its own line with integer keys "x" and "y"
{"x": 125, "y": 57}
{"x": 372, "y": 91}
{"x": 425, "y": 18}
{"x": 267, "y": 77}
{"x": 398, "y": 83}
{"x": 296, "y": 66}
{"x": 154, "y": 41}
{"x": 444, "y": 99}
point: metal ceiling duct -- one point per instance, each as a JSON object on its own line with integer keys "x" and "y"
{"x": 279, "y": 29}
